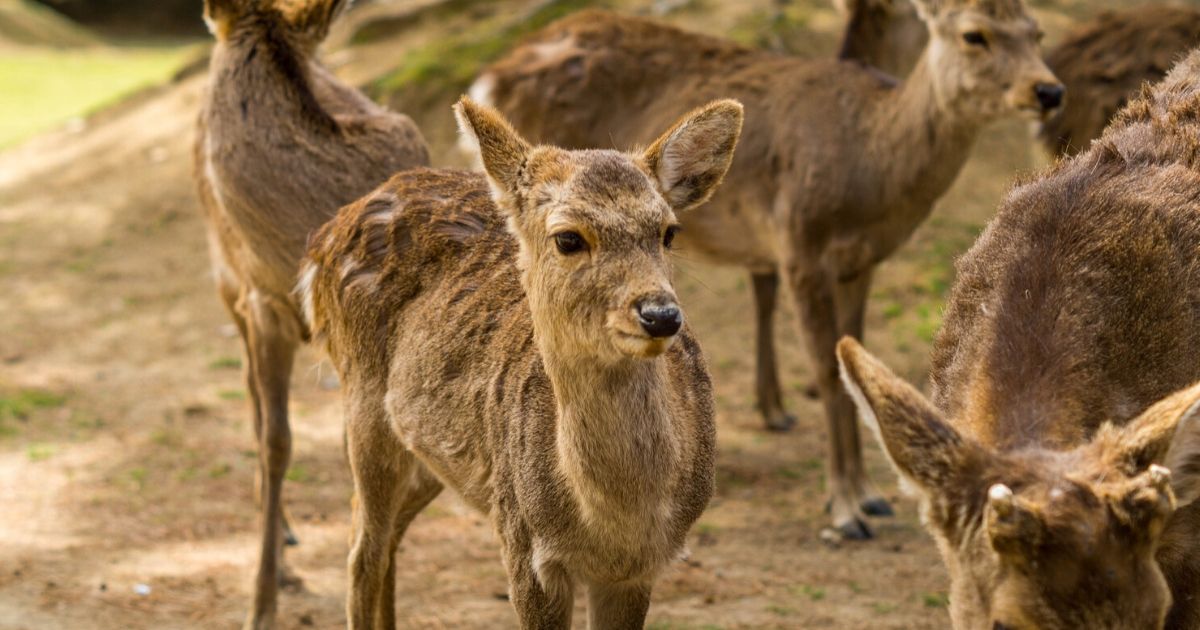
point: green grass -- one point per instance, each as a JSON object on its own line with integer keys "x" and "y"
{"x": 23, "y": 402}
{"x": 453, "y": 62}
{"x": 40, "y": 452}
{"x": 41, "y": 88}
{"x": 232, "y": 394}
{"x": 936, "y": 600}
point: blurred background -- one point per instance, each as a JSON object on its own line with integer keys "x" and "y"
{"x": 126, "y": 459}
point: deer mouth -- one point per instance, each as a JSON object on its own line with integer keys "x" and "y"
{"x": 640, "y": 345}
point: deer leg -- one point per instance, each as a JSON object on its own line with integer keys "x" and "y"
{"x": 424, "y": 489}
{"x": 618, "y": 605}
{"x": 239, "y": 311}
{"x": 814, "y": 295}
{"x": 770, "y": 399}
{"x": 272, "y": 342}
{"x": 542, "y": 595}
{"x": 384, "y": 473}
{"x": 850, "y": 298}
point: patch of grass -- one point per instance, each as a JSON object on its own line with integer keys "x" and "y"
{"x": 225, "y": 363}
{"x": 814, "y": 593}
{"x": 166, "y": 437}
{"x": 883, "y": 608}
{"x": 782, "y": 611}
{"x": 298, "y": 474}
{"x": 451, "y": 63}
{"x": 43, "y": 87}
{"x": 935, "y": 600}
{"x": 232, "y": 394}
{"x": 187, "y": 474}
{"x": 138, "y": 476}
{"x": 219, "y": 470}
{"x": 23, "y": 402}
{"x": 893, "y": 310}
{"x": 40, "y": 452}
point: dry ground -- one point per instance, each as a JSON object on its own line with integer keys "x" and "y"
{"x": 126, "y": 459}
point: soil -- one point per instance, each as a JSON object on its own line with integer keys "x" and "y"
{"x": 127, "y": 462}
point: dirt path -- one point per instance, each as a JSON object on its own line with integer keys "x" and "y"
{"x": 126, "y": 460}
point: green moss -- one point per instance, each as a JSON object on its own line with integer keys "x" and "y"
{"x": 450, "y": 64}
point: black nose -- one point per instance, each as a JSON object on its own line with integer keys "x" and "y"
{"x": 1050, "y": 95}
{"x": 659, "y": 319}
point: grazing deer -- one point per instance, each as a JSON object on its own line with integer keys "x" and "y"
{"x": 1063, "y": 381}
{"x": 887, "y": 34}
{"x": 838, "y": 163}
{"x": 281, "y": 146}
{"x": 1106, "y": 60}
{"x": 525, "y": 348}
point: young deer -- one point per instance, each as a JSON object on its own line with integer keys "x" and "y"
{"x": 525, "y": 348}
{"x": 838, "y": 163}
{"x": 281, "y": 146}
{"x": 1039, "y": 464}
{"x": 1105, "y": 61}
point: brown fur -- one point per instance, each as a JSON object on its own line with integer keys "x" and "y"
{"x": 281, "y": 145}
{"x": 816, "y": 195}
{"x": 1066, "y": 368}
{"x": 887, "y": 34}
{"x": 475, "y": 354}
{"x": 1106, "y": 60}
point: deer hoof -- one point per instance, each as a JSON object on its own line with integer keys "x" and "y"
{"x": 877, "y": 507}
{"x": 779, "y": 422}
{"x": 855, "y": 529}
{"x": 289, "y": 538}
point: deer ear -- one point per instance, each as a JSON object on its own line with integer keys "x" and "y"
{"x": 925, "y": 450}
{"x": 219, "y": 15}
{"x": 1166, "y": 426}
{"x": 1168, "y": 433}
{"x": 315, "y": 17}
{"x": 926, "y": 9}
{"x": 691, "y": 158}
{"x": 501, "y": 148}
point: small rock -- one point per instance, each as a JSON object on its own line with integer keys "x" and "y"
{"x": 103, "y": 587}
{"x": 831, "y": 537}
{"x": 141, "y": 589}
{"x": 307, "y": 620}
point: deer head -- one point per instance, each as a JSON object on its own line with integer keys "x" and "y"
{"x": 308, "y": 22}
{"x": 1038, "y": 538}
{"x": 595, "y": 227}
{"x": 985, "y": 59}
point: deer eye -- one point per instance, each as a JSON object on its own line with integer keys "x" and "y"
{"x": 569, "y": 242}
{"x": 975, "y": 38}
{"x": 669, "y": 236}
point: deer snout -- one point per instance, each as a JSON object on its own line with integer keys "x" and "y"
{"x": 1049, "y": 95}
{"x": 659, "y": 317}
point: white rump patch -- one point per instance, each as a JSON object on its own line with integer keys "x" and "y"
{"x": 304, "y": 289}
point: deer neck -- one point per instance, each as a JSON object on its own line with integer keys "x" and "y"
{"x": 921, "y": 142}
{"x": 616, "y": 446}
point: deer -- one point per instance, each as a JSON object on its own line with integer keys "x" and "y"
{"x": 281, "y": 145}
{"x": 886, "y": 34}
{"x": 838, "y": 163}
{"x": 1057, "y": 459}
{"x": 1106, "y": 60}
{"x": 515, "y": 336}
